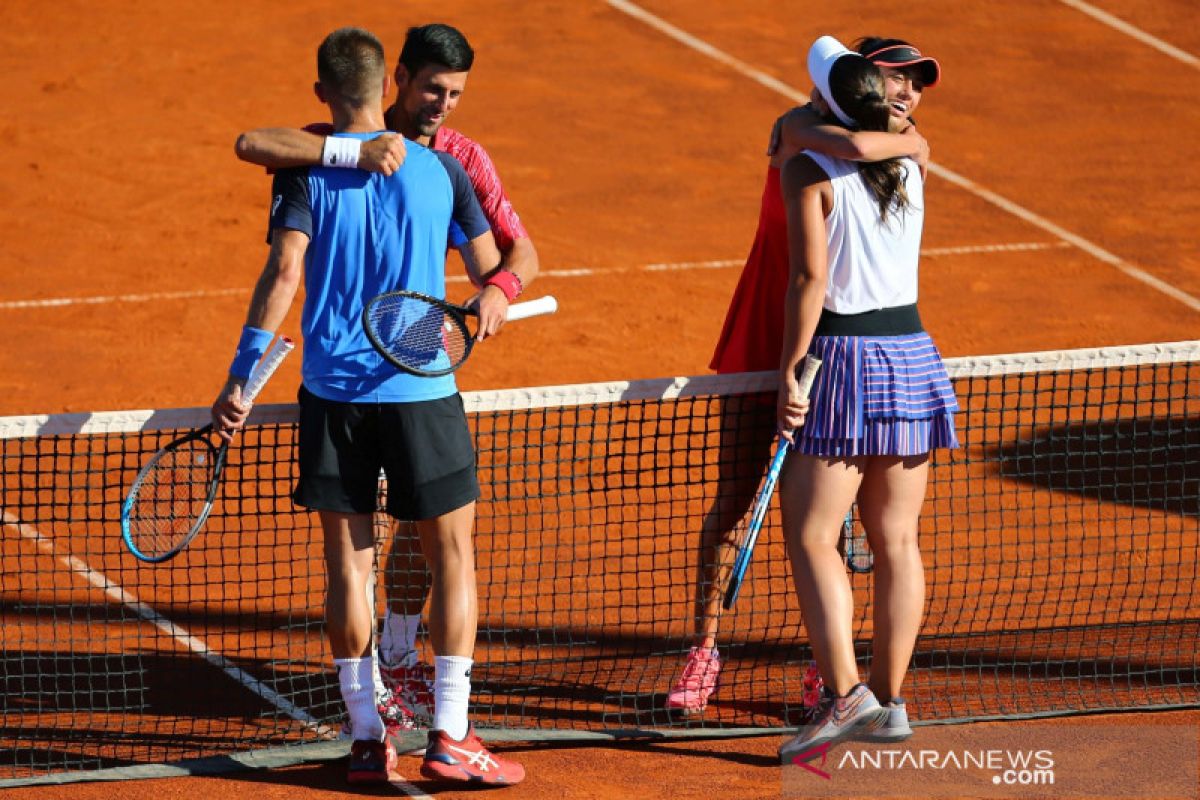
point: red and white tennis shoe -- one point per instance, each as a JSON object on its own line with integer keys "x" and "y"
{"x": 467, "y": 761}
{"x": 815, "y": 697}
{"x": 412, "y": 686}
{"x": 397, "y": 717}
{"x": 372, "y": 762}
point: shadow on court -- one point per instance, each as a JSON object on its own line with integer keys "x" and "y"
{"x": 1152, "y": 463}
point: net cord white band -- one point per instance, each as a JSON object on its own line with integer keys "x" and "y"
{"x": 103, "y": 422}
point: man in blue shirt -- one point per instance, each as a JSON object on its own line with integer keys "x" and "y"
{"x": 352, "y": 235}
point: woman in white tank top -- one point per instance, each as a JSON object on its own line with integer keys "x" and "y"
{"x": 881, "y": 402}
{"x": 752, "y": 336}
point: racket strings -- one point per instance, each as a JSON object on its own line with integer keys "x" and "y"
{"x": 171, "y": 496}
{"x": 855, "y": 549}
{"x": 420, "y": 334}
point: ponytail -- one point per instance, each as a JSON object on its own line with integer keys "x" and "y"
{"x": 859, "y": 89}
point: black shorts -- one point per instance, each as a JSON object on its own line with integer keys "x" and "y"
{"x": 424, "y": 448}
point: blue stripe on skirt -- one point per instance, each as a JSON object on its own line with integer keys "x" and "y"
{"x": 879, "y": 395}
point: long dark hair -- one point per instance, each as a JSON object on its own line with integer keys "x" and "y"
{"x": 858, "y": 87}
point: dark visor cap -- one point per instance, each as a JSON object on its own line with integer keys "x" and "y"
{"x": 905, "y": 55}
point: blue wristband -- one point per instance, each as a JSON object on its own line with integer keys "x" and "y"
{"x": 250, "y": 349}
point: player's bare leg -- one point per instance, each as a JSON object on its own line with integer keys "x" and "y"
{"x": 890, "y": 503}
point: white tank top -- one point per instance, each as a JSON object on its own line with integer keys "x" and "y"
{"x": 872, "y": 263}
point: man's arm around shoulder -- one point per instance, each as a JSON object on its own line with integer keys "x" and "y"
{"x": 280, "y": 148}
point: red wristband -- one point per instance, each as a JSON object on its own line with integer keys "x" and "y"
{"x": 507, "y": 282}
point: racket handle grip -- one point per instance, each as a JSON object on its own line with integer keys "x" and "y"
{"x": 808, "y": 374}
{"x": 266, "y": 368}
{"x": 533, "y": 308}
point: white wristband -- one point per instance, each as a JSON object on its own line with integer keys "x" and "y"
{"x": 341, "y": 151}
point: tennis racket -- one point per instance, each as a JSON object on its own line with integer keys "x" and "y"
{"x": 425, "y": 336}
{"x": 808, "y": 374}
{"x": 853, "y": 545}
{"x": 172, "y": 495}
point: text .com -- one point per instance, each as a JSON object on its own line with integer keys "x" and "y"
{"x": 1025, "y": 777}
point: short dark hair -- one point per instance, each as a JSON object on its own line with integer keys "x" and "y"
{"x": 350, "y": 61}
{"x": 436, "y": 44}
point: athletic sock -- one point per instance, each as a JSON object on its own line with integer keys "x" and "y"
{"x": 398, "y": 642}
{"x": 376, "y": 678}
{"x": 358, "y": 693}
{"x": 451, "y": 694}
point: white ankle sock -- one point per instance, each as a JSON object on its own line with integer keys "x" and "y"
{"x": 451, "y": 694}
{"x": 398, "y": 642}
{"x": 358, "y": 692}
{"x": 376, "y": 678}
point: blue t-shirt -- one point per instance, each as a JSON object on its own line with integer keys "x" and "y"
{"x": 371, "y": 234}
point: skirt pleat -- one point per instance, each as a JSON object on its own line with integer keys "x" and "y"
{"x": 879, "y": 395}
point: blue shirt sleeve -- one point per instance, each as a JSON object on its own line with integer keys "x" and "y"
{"x": 291, "y": 206}
{"x": 467, "y": 212}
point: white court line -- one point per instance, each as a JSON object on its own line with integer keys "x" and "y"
{"x": 118, "y": 298}
{"x": 701, "y": 46}
{"x": 575, "y": 272}
{"x": 1137, "y": 33}
{"x": 117, "y": 594}
{"x": 1135, "y": 272}
{"x": 726, "y": 263}
{"x": 1017, "y": 247}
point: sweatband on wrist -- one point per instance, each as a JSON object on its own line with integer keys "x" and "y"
{"x": 250, "y": 349}
{"x": 507, "y": 282}
{"x": 341, "y": 151}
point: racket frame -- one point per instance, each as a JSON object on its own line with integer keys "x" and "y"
{"x": 762, "y": 502}
{"x": 254, "y": 384}
{"x": 218, "y": 456}
{"x": 457, "y": 313}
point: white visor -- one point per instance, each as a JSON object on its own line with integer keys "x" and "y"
{"x": 821, "y": 57}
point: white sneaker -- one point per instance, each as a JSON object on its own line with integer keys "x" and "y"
{"x": 894, "y": 728}
{"x": 845, "y": 719}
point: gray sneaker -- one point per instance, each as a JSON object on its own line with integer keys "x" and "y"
{"x": 894, "y": 728}
{"x": 846, "y": 718}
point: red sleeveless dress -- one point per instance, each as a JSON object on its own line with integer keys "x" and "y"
{"x": 752, "y": 337}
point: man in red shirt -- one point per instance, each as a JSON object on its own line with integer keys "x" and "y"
{"x": 430, "y": 75}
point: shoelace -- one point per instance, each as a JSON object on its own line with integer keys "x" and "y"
{"x": 695, "y": 672}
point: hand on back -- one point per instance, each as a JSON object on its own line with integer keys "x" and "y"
{"x": 383, "y": 154}
{"x": 922, "y": 156}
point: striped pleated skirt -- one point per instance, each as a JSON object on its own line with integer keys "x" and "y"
{"x": 879, "y": 395}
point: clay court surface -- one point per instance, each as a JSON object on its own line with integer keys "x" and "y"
{"x": 134, "y": 236}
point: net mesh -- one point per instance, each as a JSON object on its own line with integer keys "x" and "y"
{"x": 1060, "y": 544}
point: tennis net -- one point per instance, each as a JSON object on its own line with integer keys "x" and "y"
{"x": 1061, "y": 544}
